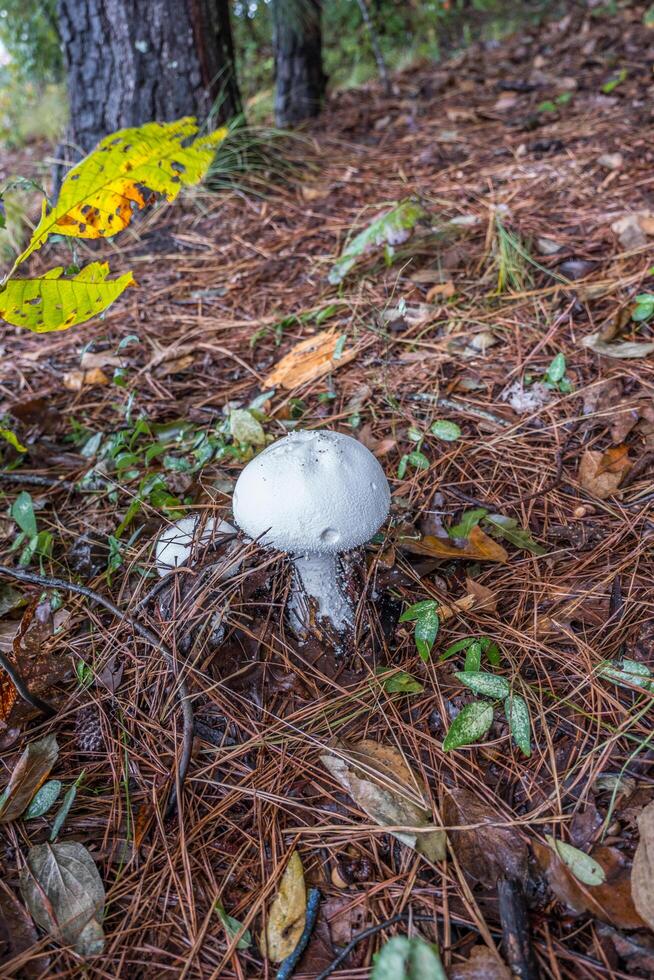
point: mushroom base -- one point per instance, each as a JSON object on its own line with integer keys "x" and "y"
{"x": 317, "y": 577}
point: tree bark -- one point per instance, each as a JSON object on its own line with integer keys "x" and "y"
{"x": 299, "y": 77}
{"x": 134, "y": 61}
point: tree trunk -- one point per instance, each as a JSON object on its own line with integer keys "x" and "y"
{"x": 134, "y": 61}
{"x": 297, "y": 41}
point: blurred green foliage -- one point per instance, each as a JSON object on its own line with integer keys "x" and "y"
{"x": 28, "y": 32}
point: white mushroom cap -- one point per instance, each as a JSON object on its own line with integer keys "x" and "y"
{"x": 174, "y": 544}
{"x": 312, "y": 493}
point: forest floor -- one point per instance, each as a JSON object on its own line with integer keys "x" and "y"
{"x": 532, "y": 165}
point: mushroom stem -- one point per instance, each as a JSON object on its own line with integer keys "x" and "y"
{"x": 317, "y": 576}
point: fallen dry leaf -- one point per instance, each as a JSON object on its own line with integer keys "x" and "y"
{"x": 611, "y": 901}
{"x": 444, "y": 289}
{"x": 622, "y": 349}
{"x": 478, "y": 545}
{"x": 378, "y": 447}
{"x": 485, "y": 852}
{"x": 482, "y": 964}
{"x": 602, "y": 473}
{"x": 76, "y": 380}
{"x": 486, "y": 598}
{"x": 642, "y": 872}
{"x": 8, "y": 697}
{"x": 18, "y": 934}
{"x": 31, "y": 771}
{"x": 308, "y": 360}
{"x": 478, "y": 597}
{"x": 380, "y": 782}
{"x": 174, "y": 366}
{"x": 89, "y": 360}
{"x": 287, "y": 913}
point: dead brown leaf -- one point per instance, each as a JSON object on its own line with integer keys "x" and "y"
{"x": 444, "y": 289}
{"x": 8, "y": 697}
{"x": 31, "y": 771}
{"x": 642, "y": 872}
{"x": 174, "y": 366}
{"x": 380, "y": 782}
{"x": 378, "y": 447}
{"x": 18, "y": 934}
{"x": 482, "y": 964}
{"x": 614, "y": 460}
{"x": 76, "y": 380}
{"x": 594, "y": 477}
{"x": 611, "y": 901}
{"x": 485, "y": 852}
{"x": 478, "y": 597}
{"x": 486, "y": 598}
{"x": 308, "y": 360}
{"x": 89, "y": 360}
{"x": 478, "y": 546}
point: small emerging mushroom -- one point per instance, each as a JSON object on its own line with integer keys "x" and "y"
{"x": 175, "y": 543}
{"x": 314, "y": 495}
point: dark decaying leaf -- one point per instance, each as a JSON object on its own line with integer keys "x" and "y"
{"x": 482, "y": 964}
{"x": 31, "y": 771}
{"x": 64, "y": 892}
{"x": 485, "y": 850}
{"x": 18, "y": 934}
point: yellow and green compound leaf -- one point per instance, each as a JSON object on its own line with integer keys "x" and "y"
{"x": 53, "y": 303}
{"x": 99, "y": 196}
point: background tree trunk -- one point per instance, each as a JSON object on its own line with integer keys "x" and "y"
{"x": 299, "y": 77}
{"x": 134, "y": 61}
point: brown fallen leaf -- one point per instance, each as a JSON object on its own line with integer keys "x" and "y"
{"x": 486, "y": 598}
{"x": 482, "y": 964}
{"x": 444, "y": 289}
{"x": 31, "y": 771}
{"x": 380, "y": 782}
{"x": 485, "y": 852}
{"x": 8, "y": 697}
{"x": 478, "y": 545}
{"x": 478, "y": 597}
{"x": 642, "y": 872}
{"x": 91, "y": 360}
{"x": 601, "y": 473}
{"x": 174, "y": 366}
{"x": 76, "y": 380}
{"x": 18, "y": 934}
{"x": 287, "y": 913}
{"x": 610, "y": 901}
{"x": 310, "y": 359}
{"x": 378, "y": 447}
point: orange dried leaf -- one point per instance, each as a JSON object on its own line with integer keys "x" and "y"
{"x": 478, "y": 546}
{"x": 8, "y": 697}
{"x": 602, "y": 483}
{"x": 32, "y": 770}
{"x": 614, "y": 460}
{"x": 309, "y": 359}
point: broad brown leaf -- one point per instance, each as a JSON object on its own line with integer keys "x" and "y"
{"x": 18, "y": 934}
{"x": 308, "y": 360}
{"x": 485, "y": 852}
{"x": 8, "y": 697}
{"x": 642, "y": 872}
{"x": 478, "y": 546}
{"x": 482, "y": 964}
{"x": 611, "y": 901}
{"x": 287, "y": 913}
{"x": 32, "y": 770}
{"x": 601, "y": 474}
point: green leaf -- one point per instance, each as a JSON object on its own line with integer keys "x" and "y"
{"x": 64, "y": 809}
{"x": 556, "y": 370}
{"x": 585, "y": 868}
{"x": 470, "y": 725}
{"x": 52, "y": 303}
{"x": 22, "y": 511}
{"x": 473, "y": 658}
{"x": 644, "y": 307}
{"x": 613, "y": 83}
{"x": 517, "y": 714}
{"x": 399, "y": 682}
{"x": 469, "y": 519}
{"x": 508, "y": 528}
{"x": 627, "y": 673}
{"x": 648, "y": 17}
{"x": 232, "y": 927}
{"x": 245, "y": 428}
{"x": 391, "y": 228}
{"x": 457, "y": 647}
{"x": 419, "y": 460}
{"x": 425, "y": 632}
{"x": 483, "y": 683}
{"x": 418, "y": 609}
{"x": 9, "y": 436}
{"x": 448, "y": 431}
{"x": 402, "y": 467}
{"x": 402, "y": 958}
{"x": 43, "y": 800}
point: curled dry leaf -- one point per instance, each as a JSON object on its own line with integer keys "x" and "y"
{"x": 602, "y": 473}
{"x": 477, "y": 545}
{"x": 380, "y": 782}
{"x": 622, "y": 349}
{"x": 310, "y": 359}
{"x": 287, "y": 913}
{"x": 32, "y": 769}
{"x": 485, "y": 852}
{"x": 64, "y": 892}
{"x": 76, "y": 380}
{"x": 610, "y": 901}
{"x": 642, "y": 872}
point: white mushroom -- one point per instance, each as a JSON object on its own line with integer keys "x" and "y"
{"x": 313, "y": 495}
{"x": 175, "y": 543}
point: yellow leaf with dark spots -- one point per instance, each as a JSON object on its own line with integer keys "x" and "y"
{"x": 53, "y": 303}
{"x": 100, "y": 194}
{"x": 287, "y": 913}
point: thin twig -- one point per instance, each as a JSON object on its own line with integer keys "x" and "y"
{"x": 147, "y": 634}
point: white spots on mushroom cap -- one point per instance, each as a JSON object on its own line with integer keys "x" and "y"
{"x": 174, "y": 544}
{"x": 312, "y": 493}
